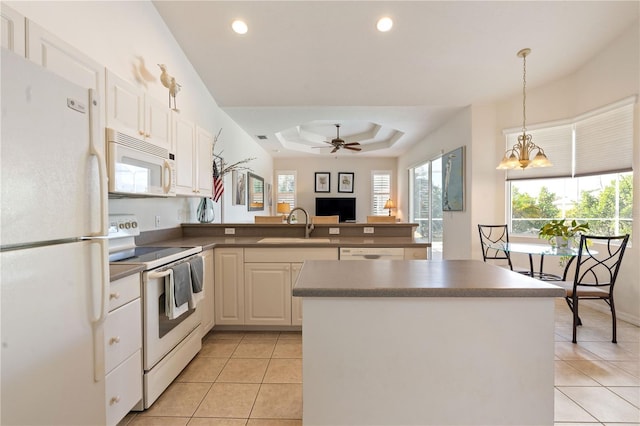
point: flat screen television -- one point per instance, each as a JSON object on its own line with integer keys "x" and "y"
{"x": 343, "y": 207}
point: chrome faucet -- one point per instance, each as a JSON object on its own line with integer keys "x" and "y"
{"x": 308, "y": 227}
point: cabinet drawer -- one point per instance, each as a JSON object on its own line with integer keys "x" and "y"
{"x": 123, "y": 388}
{"x": 123, "y": 291}
{"x": 290, "y": 254}
{"x": 122, "y": 334}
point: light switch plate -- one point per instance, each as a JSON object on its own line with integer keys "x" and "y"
{"x": 368, "y": 229}
{"x": 230, "y": 231}
{"x": 334, "y": 231}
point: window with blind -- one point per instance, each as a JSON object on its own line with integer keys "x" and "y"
{"x": 286, "y": 187}
{"x": 381, "y": 191}
{"x": 591, "y": 178}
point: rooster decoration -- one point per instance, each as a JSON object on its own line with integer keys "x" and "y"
{"x": 170, "y": 83}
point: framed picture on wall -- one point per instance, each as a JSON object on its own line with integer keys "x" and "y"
{"x": 453, "y": 180}
{"x": 239, "y": 188}
{"x": 323, "y": 182}
{"x": 345, "y": 182}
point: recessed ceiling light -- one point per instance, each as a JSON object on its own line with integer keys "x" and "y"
{"x": 384, "y": 24}
{"x": 239, "y": 27}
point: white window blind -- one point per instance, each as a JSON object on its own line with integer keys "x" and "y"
{"x": 286, "y": 187}
{"x": 604, "y": 142}
{"x": 557, "y": 144}
{"x": 381, "y": 190}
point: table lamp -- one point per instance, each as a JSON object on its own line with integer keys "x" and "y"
{"x": 389, "y": 205}
{"x": 283, "y": 208}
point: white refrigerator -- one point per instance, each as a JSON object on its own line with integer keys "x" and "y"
{"x": 53, "y": 270}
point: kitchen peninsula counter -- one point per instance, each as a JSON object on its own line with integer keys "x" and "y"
{"x": 415, "y": 342}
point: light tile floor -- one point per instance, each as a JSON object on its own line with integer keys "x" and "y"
{"x": 255, "y": 378}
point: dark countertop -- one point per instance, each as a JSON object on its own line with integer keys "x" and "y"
{"x": 117, "y": 271}
{"x": 209, "y": 242}
{"x": 416, "y": 278}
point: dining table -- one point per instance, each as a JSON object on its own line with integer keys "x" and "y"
{"x": 542, "y": 250}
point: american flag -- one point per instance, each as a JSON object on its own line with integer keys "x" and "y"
{"x": 218, "y": 184}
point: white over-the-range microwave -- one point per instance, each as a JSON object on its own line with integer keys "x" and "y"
{"x": 139, "y": 168}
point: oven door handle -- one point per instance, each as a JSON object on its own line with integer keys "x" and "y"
{"x": 155, "y": 275}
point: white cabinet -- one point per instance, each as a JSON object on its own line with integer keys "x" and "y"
{"x": 270, "y": 275}
{"x": 54, "y": 54}
{"x": 208, "y": 304}
{"x": 193, "y": 147}
{"x": 229, "y": 286}
{"x": 267, "y": 293}
{"x": 123, "y": 348}
{"x": 132, "y": 111}
{"x": 13, "y": 30}
{"x": 204, "y": 162}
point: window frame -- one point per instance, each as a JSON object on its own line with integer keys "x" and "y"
{"x": 375, "y": 194}
{"x": 279, "y": 195}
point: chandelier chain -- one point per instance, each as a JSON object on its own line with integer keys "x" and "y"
{"x": 524, "y": 93}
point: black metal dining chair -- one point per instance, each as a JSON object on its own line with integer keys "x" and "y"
{"x": 595, "y": 275}
{"x": 490, "y": 235}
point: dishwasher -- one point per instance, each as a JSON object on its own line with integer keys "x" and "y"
{"x": 371, "y": 253}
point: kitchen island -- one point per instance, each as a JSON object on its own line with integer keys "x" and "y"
{"x": 425, "y": 342}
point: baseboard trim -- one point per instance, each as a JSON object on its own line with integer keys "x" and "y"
{"x": 603, "y": 307}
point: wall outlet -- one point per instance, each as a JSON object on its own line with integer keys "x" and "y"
{"x": 229, "y": 231}
{"x": 368, "y": 229}
{"x": 334, "y": 231}
{"x": 157, "y": 222}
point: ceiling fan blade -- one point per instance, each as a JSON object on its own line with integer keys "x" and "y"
{"x": 352, "y": 144}
{"x": 334, "y": 150}
{"x": 353, "y": 148}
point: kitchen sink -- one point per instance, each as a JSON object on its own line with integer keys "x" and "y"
{"x": 276, "y": 240}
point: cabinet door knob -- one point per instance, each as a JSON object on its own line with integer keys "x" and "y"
{"x": 141, "y": 133}
{"x": 148, "y": 135}
{"x": 114, "y": 296}
{"x": 114, "y": 340}
{"x": 114, "y": 400}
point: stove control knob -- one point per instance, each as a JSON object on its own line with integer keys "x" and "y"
{"x": 134, "y": 224}
{"x": 127, "y": 225}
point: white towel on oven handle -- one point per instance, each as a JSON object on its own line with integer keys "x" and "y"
{"x": 170, "y": 309}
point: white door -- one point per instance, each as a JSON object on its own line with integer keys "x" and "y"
{"x": 53, "y": 173}
{"x": 52, "y": 309}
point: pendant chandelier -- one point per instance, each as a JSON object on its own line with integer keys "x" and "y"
{"x": 519, "y": 156}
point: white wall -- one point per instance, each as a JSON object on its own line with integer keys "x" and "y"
{"x": 117, "y": 34}
{"x": 456, "y": 225}
{"x": 611, "y": 75}
{"x": 361, "y": 167}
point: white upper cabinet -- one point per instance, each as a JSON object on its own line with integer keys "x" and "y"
{"x": 13, "y": 30}
{"x": 204, "y": 146}
{"x": 54, "y": 54}
{"x": 132, "y": 111}
{"x": 184, "y": 137}
{"x": 193, "y": 147}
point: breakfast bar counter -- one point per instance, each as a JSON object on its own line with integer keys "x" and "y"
{"x": 425, "y": 342}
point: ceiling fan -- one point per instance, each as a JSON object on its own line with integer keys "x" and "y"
{"x": 339, "y": 143}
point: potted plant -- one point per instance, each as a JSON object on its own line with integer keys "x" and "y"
{"x": 561, "y": 234}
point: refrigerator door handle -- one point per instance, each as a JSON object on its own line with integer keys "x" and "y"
{"x": 102, "y": 164}
{"x": 99, "y": 302}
